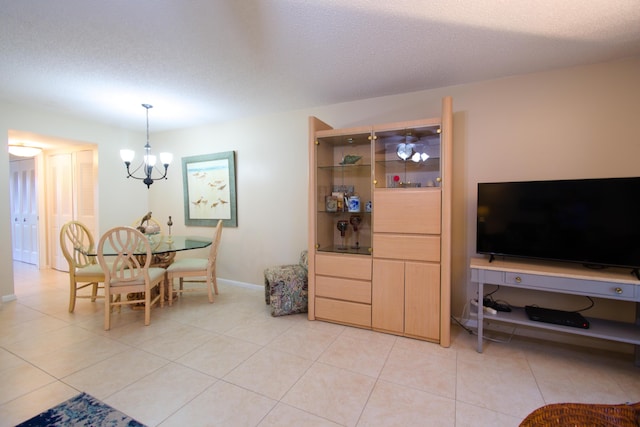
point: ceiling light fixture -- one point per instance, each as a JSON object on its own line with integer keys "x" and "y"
{"x": 148, "y": 162}
{"x": 21, "y": 150}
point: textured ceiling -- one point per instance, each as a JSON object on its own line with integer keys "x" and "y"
{"x": 203, "y": 61}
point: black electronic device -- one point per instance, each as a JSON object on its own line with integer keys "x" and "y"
{"x": 589, "y": 221}
{"x": 557, "y": 317}
{"x": 497, "y": 306}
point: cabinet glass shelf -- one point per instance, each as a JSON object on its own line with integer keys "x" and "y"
{"x": 345, "y": 167}
{"x": 349, "y": 250}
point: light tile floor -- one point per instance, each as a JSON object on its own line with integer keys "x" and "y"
{"x": 231, "y": 364}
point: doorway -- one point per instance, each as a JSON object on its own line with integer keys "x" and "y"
{"x": 56, "y": 186}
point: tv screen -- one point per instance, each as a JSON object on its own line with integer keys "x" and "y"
{"x": 595, "y": 222}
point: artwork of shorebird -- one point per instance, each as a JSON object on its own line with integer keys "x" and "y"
{"x": 201, "y": 200}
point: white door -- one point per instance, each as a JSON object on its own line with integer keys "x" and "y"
{"x": 84, "y": 182}
{"x": 71, "y": 194}
{"x": 60, "y": 204}
{"x": 24, "y": 210}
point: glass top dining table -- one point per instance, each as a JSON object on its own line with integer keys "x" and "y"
{"x": 159, "y": 245}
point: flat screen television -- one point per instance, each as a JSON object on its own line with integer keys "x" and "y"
{"x": 595, "y": 222}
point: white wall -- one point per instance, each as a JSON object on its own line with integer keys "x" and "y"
{"x": 118, "y": 199}
{"x": 571, "y": 123}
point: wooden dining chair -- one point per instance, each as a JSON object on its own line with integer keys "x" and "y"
{"x": 126, "y": 274}
{"x": 196, "y": 267}
{"x": 84, "y": 270}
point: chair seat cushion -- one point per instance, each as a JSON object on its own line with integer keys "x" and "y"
{"x": 89, "y": 270}
{"x": 155, "y": 273}
{"x": 188, "y": 264}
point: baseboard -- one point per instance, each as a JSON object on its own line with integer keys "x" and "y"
{"x": 8, "y": 298}
{"x": 240, "y": 284}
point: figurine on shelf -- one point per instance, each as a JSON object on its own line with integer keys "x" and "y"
{"x": 355, "y": 221}
{"x": 350, "y": 159}
{"x": 342, "y": 226}
{"x": 169, "y": 224}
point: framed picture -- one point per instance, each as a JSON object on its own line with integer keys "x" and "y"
{"x": 210, "y": 189}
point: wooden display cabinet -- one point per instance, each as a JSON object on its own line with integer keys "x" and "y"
{"x": 393, "y": 273}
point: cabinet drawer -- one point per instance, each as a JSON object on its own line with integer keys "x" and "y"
{"x": 487, "y": 276}
{"x": 351, "y": 313}
{"x": 407, "y": 211}
{"x": 570, "y": 285}
{"x": 344, "y": 289}
{"x": 344, "y": 266}
{"x": 416, "y": 248}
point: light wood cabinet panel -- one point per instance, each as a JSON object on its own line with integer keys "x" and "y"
{"x": 399, "y": 246}
{"x": 343, "y": 312}
{"x": 407, "y": 211}
{"x": 345, "y": 289}
{"x": 345, "y": 266}
{"x": 422, "y": 300}
{"x": 387, "y": 313}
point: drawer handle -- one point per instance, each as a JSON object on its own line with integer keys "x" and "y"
{"x": 518, "y": 279}
{"x": 619, "y": 291}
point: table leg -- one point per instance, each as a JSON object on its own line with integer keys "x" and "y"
{"x": 480, "y": 315}
{"x": 637, "y": 347}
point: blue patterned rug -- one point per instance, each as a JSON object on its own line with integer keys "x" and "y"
{"x": 82, "y": 410}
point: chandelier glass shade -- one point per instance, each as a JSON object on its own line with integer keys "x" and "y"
{"x": 149, "y": 161}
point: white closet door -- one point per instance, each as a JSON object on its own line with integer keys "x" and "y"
{"x": 24, "y": 210}
{"x": 71, "y": 191}
{"x": 60, "y": 204}
{"x": 85, "y": 180}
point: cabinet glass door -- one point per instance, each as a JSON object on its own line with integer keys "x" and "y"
{"x": 343, "y": 204}
{"x": 408, "y": 157}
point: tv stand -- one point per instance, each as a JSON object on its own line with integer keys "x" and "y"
{"x": 611, "y": 283}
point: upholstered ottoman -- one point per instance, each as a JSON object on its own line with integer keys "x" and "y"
{"x": 286, "y": 287}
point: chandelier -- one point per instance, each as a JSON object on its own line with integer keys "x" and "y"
{"x": 148, "y": 162}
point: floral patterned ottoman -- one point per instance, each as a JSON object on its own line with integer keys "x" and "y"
{"x": 286, "y": 287}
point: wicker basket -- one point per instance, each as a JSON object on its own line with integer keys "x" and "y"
{"x": 584, "y": 415}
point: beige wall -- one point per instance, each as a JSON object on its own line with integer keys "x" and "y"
{"x": 116, "y": 197}
{"x": 573, "y": 123}
{"x": 570, "y": 123}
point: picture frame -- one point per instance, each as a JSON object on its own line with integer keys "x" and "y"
{"x": 210, "y": 189}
